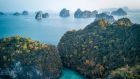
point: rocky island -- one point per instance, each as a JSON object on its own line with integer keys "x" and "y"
{"x": 45, "y": 15}
{"x": 16, "y": 14}
{"x": 119, "y": 12}
{"x": 1, "y": 13}
{"x": 64, "y": 13}
{"x": 105, "y": 16}
{"x": 25, "y": 13}
{"x": 85, "y": 14}
{"x": 94, "y": 13}
{"x": 106, "y": 12}
{"x": 40, "y": 15}
{"x": 103, "y": 50}
{"x": 24, "y": 58}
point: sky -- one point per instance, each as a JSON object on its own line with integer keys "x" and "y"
{"x": 57, "y": 5}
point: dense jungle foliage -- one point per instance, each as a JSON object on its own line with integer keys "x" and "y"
{"x": 24, "y": 58}
{"x": 103, "y": 50}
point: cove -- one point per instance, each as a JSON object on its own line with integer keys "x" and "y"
{"x": 70, "y": 74}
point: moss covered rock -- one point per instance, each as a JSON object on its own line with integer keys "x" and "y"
{"x": 23, "y": 58}
{"x": 101, "y": 48}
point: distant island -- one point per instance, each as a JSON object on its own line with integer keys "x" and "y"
{"x": 16, "y": 14}
{"x": 105, "y": 16}
{"x": 77, "y": 14}
{"x": 119, "y": 12}
{"x": 45, "y": 15}
{"x": 39, "y": 15}
{"x": 64, "y": 13}
{"x": 1, "y": 13}
{"x": 25, "y": 13}
{"x": 85, "y": 14}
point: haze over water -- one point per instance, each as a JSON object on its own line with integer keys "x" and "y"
{"x": 72, "y": 5}
{"x": 51, "y": 29}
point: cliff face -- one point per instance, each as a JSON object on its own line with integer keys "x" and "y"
{"x": 23, "y": 58}
{"x": 100, "y": 48}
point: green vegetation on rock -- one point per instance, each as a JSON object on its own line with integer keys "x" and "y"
{"x": 124, "y": 22}
{"x": 23, "y": 58}
{"x": 126, "y": 73}
{"x": 101, "y": 48}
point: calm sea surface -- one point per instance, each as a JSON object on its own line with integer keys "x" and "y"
{"x": 48, "y": 30}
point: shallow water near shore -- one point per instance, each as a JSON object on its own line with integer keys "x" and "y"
{"x": 69, "y": 74}
{"x": 48, "y": 30}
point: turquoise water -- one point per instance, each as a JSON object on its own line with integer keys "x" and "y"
{"x": 69, "y": 74}
{"x": 48, "y": 30}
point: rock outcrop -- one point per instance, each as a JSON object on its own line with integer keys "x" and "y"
{"x": 101, "y": 49}
{"x": 94, "y": 13}
{"x": 16, "y": 14}
{"x": 1, "y": 13}
{"x": 85, "y": 14}
{"x": 25, "y": 13}
{"x": 23, "y": 58}
{"x": 119, "y": 12}
{"x": 108, "y": 18}
{"x": 64, "y": 13}
{"x": 106, "y": 12}
{"x": 45, "y": 15}
{"x": 78, "y": 13}
{"x": 38, "y": 15}
{"x": 123, "y": 22}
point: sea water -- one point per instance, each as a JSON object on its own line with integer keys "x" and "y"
{"x": 48, "y": 30}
